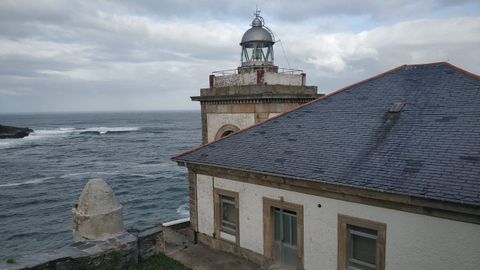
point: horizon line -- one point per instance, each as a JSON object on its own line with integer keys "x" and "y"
{"x": 101, "y": 111}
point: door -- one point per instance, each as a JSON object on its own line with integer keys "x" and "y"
{"x": 285, "y": 245}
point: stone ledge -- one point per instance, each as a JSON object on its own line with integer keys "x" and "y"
{"x": 115, "y": 252}
{"x": 247, "y": 90}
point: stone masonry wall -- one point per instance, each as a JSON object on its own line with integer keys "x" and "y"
{"x": 253, "y": 78}
{"x": 115, "y": 253}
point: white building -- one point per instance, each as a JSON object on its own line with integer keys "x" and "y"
{"x": 382, "y": 174}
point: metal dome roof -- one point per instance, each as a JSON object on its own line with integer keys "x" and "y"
{"x": 257, "y": 34}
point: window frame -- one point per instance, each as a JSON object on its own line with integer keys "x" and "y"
{"x": 269, "y": 205}
{"x": 225, "y": 128}
{"x": 223, "y": 222}
{"x": 344, "y": 242}
{"x": 218, "y": 210}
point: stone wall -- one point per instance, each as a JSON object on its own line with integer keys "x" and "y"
{"x": 244, "y": 105}
{"x": 115, "y": 253}
{"x": 258, "y": 77}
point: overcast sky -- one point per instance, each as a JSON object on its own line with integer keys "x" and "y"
{"x": 153, "y": 55}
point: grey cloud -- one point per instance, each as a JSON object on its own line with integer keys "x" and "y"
{"x": 291, "y": 11}
{"x": 114, "y": 55}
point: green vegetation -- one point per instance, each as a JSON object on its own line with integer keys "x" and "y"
{"x": 160, "y": 262}
{"x": 156, "y": 262}
{"x": 11, "y": 261}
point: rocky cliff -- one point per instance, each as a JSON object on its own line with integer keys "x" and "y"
{"x": 7, "y": 132}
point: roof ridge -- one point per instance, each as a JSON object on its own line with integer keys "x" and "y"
{"x": 294, "y": 109}
{"x": 426, "y": 64}
{"x": 466, "y": 72}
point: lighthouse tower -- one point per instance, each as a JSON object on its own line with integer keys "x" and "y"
{"x": 255, "y": 91}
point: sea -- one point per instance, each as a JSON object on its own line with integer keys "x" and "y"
{"x": 42, "y": 175}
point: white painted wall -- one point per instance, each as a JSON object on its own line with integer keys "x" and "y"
{"x": 412, "y": 241}
{"x": 204, "y": 198}
{"x": 282, "y": 79}
{"x": 216, "y": 120}
{"x": 236, "y": 79}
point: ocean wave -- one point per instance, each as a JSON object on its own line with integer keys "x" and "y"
{"x": 96, "y": 174}
{"x": 73, "y": 175}
{"x": 183, "y": 210}
{"x": 38, "y": 134}
{"x": 33, "y": 181}
{"x": 108, "y": 130}
{"x": 34, "y": 136}
{"x": 51, "y": 132}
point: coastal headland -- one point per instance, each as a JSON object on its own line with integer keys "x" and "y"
{"x": 8, "y": 132}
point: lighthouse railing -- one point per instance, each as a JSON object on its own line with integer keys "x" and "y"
{"x": 235, "y": 71}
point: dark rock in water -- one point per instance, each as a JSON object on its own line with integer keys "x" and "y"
{"x": 93, "y": 132}
{"x": 7, "y": 132}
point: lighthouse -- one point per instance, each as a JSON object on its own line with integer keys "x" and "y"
{"x": 254, "y": 91}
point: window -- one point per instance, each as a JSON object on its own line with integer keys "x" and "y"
{"x": 362, "y": 248}
{"x": 226, "y": 133}
{"x": 361, "y": 244}
{"x": 283, "y": 233}
{"x": 226, "y": 215}
{"x": 225, "y": 130}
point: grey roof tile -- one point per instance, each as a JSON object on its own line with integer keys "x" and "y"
{"x": 431, "y": 149}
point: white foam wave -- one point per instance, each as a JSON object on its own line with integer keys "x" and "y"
{"x": 60, "y": 132}
{"x": 105, "y": 130}
{"x": 33, "y": 181}
{"x": 6, "y": 143}
{"x": 52, "y": 132}
{"x": 36, "y": 135}
{"x": 183, "y": 210}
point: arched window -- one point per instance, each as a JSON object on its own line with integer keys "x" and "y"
{"x": 226, "y": 130}
{"x": 226, "y": 133}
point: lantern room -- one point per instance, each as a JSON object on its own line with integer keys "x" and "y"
{"x": 257, "y": 44}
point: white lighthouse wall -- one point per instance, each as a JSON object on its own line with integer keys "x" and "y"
{"x": 236, "y": 79}
{"x": 250, "y": 78}
{"x": 412, "y": 241}
{"x": 216, "y": 120}
{"x": 282, "y": 79}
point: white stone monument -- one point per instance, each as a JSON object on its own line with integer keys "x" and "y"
{"x": 98, "y": 214}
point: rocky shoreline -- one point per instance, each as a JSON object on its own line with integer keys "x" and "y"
{"x": 8, "y": 132}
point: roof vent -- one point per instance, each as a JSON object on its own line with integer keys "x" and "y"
{"x": 396, "y": 107}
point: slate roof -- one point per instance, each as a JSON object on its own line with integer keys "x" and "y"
{"x": 431, "y": 149}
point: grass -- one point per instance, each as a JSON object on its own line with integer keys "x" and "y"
{"x": 156, "y": 262}
{"x": 160, "y": 262}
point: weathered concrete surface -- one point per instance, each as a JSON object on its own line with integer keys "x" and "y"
{"x": 151, "y": 241}
{"x": 126, "y": 249}
{"x": 256, "y": 91}
{"x": 252, "y": 78}
{"x": 98, "y": 214}
{"x": 115, "y": 253}
{"x": 201, "y": 257}
{"x": 7, "y": 132}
